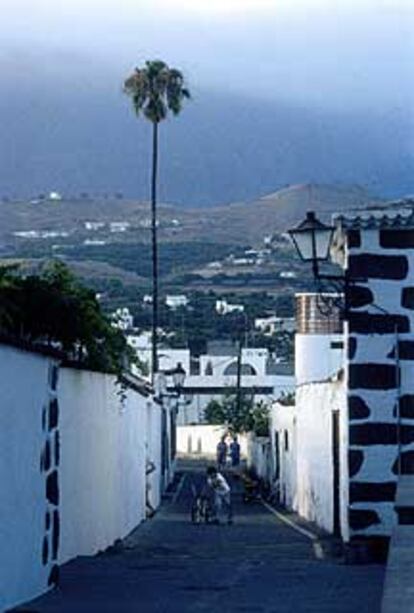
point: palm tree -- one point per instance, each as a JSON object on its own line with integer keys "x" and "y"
{"x": 155, "y": 90}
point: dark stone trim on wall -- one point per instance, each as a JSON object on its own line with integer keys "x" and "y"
{"x": 54, "y": 576}
{"x": 407, "y": 406}
{"x": 352, "y": 347}
{"x": 372, "y": 376}
{"x": 407, "y": 297}
{"x": 55, "y": 534}
{"x": 396, "y": 239}
{"x": 357, "y": 408}
{"x": 359, "y": 296}
{"x": 361, "y": 491}
{"x": 377, "y": 323}
{"x": 374, "y": 266}
{"x": 355, "y": 461}
{"x": 49, "y": 466}
{"x": 354, "y": 239}
{"x": 407, "y": 464}
{"x": 361, "y": 518}
{"x": 406, "y": 350}
{"x": 52, "y": 488}
{"x": 375, "y": 433}
{"x": 53, "y": 414}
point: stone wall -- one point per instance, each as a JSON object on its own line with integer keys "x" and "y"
{"x": 380, "y": 374}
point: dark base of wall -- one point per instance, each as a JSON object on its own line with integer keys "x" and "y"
{"x": 367, "y": 550}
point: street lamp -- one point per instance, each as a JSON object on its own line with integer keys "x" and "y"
{"x": 312, "y": 240}
{"x": 178, "y": 375}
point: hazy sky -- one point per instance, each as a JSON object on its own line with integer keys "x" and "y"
{"x": 335, "y": 53}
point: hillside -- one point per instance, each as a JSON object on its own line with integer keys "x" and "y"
{"x": 244, "y": 222}
{"x": 280, "y": 210}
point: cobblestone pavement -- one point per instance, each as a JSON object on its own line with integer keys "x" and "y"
{"x": 256, "y": 565}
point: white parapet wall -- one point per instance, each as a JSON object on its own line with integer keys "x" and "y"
{"x": 258, "y": 456}
{"x": 315, "y": 407}
{"x": 102, "y": 474}
{"x": 72, "y": 467}
{"x": 283, "y": 453}
{"x": 201, "y": 440}
{"x": 24, "y": 392}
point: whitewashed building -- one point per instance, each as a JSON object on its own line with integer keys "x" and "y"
{"x": 272, "y": 324}
{"x": 122, "y": 319}
{"x": 176, "y": 301}
{"x": 340, "y": 450}
{"x": 214, "y": 374}
{"x": 223, "y": 307}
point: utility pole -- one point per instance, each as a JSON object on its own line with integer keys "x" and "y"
{"x": 238, "y": 379}
{"x": 239, "y": 392}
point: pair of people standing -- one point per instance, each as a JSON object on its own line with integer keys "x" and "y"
{"x": 223, "y": 450}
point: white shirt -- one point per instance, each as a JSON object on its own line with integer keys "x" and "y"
{"x": 219, "y": 484}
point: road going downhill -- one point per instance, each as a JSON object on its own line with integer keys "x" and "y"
{"x": 257, "y": 565}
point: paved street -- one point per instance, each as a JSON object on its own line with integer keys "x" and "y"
{"x": 256, "y": 565}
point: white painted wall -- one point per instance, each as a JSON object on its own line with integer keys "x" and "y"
{"x": 258, "y": 456}
{"x": 315, "y": 359}
{"x": 302, "y": 461}
{"x": 255, "y": 357}
{"x": 314, "y": 406}
{"x": 203, "y": 439}
{"x": 153, "y": 451}
{"x": 192, "y": 410}
{"x": 24, "y": 390}
{"x": 283, "y": 457}
{"x": 102, "y": 471}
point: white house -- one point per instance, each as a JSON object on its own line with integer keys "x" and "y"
{"x": 271, "y": 325}
{"x": 122, "y": 319}
{"x": 55, "y": 196}
{"x": 119, "y": 226}
{"x": 214, "y": 374}
{"x": 93, "y": 226}
{"x": 223, "y": 307}
{"x": 176, "y": 301}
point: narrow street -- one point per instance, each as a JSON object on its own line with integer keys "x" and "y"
{"x": 257, "y": 565}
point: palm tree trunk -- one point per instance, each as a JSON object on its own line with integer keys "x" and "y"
{"x": 154, "y": 248}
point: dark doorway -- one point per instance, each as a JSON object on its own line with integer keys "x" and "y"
{"x": 336, "y": 474}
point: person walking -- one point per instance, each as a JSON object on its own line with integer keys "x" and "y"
{"x": 222, "y": 453}
{"x": 235, "y": 452}
{"x": 222, "y": 494}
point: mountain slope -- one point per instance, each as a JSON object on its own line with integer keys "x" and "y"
{"x": 238, "y": 223}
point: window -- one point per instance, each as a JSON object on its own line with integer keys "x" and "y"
{"x": 286, "y": 438}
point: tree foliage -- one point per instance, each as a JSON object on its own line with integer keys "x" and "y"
{"x": 248, "y": 417}
{"x": 156, "y": 89}
{"x": 54, "y": 310}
